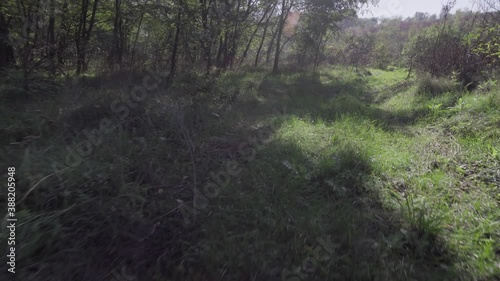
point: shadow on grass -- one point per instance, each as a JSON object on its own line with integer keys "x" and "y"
{"x": 323, "y": 96}
{"x": 124, "y": 219}
{"x": 266, "y": 224}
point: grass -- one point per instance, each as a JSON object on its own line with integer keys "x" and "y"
{"x": 325, "y": 176}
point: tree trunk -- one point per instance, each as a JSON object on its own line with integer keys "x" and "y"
{"x": 173, "y": 60}
{"x": 222, "y": 49}
{"x": 80, "y": 57}
{"x": 6, "y": 49}
{"x": 225, "y": 50}
{"x": 134, "y": 46}
{"x": 263, "y": 37}
{"x": 116, "y": 54}
{"x": 281, "y": 24}
{"x": 83, "y": 35}
{"x": 89, "y": 32}
{"x": 271, "y": 44}
{"x": 63, "y": 33}
{"x": 253, "y": 35}
{"x": 52, "y": 39}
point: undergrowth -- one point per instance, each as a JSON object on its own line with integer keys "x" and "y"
{"x": 252, "y": 176}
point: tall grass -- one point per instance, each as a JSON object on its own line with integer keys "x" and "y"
{"x": 427, "y": 85}
{"x": 398, "y": 192}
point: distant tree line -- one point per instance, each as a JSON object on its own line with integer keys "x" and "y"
{"x": 78, "y": 36}
{"x": 465, "y": 45}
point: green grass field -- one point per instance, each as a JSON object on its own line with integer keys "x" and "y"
{"x": 335, "y": 175}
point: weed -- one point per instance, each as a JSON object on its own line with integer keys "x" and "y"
{"x": 488, "y": 86}
{"x": 420, "y": 218}
{"x": 435, "y": 109}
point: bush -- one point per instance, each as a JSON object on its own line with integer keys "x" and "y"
{"x": 427, "y": 85}
{"x": 106, "y": 198}
{"x": 436, "y": 51}
{"x": 14, "y": 85}
{"x": 443, "y": 52}
{"x": 382, "y": 57}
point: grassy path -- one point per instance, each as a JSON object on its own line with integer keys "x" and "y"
{"x": 400, "y": 191}
{"x": 326, "y": 176}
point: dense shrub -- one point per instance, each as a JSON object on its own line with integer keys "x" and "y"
{"x": 428, "y": 85}
{"x": 382, "y": 57}
{"x": 436, "y": 51}
{"x": 15, "y": 84}
{"x": 444, "y": 51}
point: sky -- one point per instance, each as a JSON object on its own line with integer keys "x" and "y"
{"x": 407, "y": 8}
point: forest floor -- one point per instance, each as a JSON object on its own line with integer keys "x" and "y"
{"x": 336, "y": 175}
